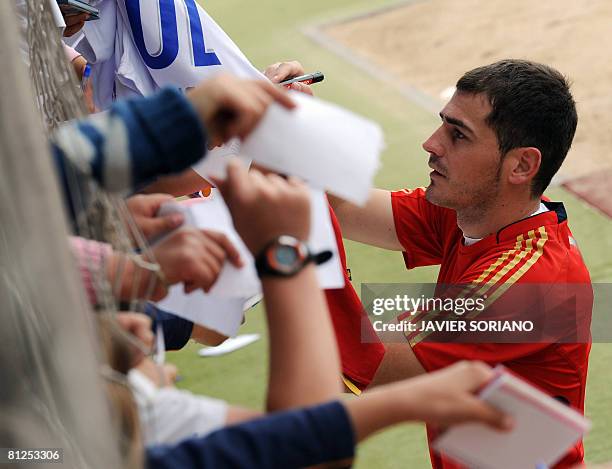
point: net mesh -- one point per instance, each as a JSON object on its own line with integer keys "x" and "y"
{"x": 36, "y": 402}
{"x": 49, "y": 392}
{"x": 54, "y": 81}
{"x": 103, "y": 217}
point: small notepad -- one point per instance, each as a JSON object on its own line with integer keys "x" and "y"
{"x": 544, "y": 429}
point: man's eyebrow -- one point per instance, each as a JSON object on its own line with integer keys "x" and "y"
{"x": 457, "y": 122}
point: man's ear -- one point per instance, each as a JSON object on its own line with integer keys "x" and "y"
{"x": 523, "y": 164}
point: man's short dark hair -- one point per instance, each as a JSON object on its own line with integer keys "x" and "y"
{"x": 531, "y": 107}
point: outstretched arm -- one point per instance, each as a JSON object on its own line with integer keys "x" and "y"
{"x": 141, "y": 139}
{"x": 178, "y": 185}
{"x": 371, "y": 224}
{"x": 132, "y": 143}
{"x": 445, "y": 397}
{"x": 328, "y": 433}
{"x": 190, "y": 181}
{"x": 304, "y": 361}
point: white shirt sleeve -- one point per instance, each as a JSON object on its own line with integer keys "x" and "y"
{"x": 168, "y": 415}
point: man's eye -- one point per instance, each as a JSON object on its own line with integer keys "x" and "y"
{"x": 457, "y": 135}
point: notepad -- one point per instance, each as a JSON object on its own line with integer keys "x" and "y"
{"x": 544, "y": 429}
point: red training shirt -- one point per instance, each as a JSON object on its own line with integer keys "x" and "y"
{"x": 537, "y": 250}
{"x": 360, "y": 359}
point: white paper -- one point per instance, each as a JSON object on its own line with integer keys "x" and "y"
{"x": 544, "y": 430}
{"x": 330, "y": 147}
{"x": 229, "y": 345}
{"x": 223, "y": 315}
{"x": 238, "y": 288}
{"x": 212, "y": 213}
{"x": 322, "y": 238}
{"x": 216, "y": 160}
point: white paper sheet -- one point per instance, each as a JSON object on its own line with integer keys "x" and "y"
{"x": 215, "y": 162}
{"x": 230, "y": 345}
{"x": 212, "y": 213}
{"x": 223, "y": 315}
{"x": 544, "y": 429}
{"x": 329, "y": 147}
{"x": 222, "y": 308}
{"x": 322, "y": 238}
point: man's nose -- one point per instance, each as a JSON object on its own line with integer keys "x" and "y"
{"x": 434, "y": 145}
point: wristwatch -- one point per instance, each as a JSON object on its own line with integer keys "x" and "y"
{"x": 286, "y": 256}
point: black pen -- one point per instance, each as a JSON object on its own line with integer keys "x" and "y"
{"x": 308, "y": 79}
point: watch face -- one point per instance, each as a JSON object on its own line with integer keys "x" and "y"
{"x": 286, "y": 255}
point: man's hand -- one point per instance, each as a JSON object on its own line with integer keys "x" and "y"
{"x": 447, "y": 396}
{"x": 74, "y": 23}
{"x": 281, "y": 71}
{"x": 144, "y": 208}
{"x": 160, "y": 375}
{"x": 194, "y": 257}
{"x": 79, "y": 63}
{"x": 230, "y": 107}
{"x": 187, "y": 255}
{"x": 265, "y": 207}
{"x": 138, "y": 325}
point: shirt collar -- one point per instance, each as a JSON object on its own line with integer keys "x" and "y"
{"x": 541, "y": 209}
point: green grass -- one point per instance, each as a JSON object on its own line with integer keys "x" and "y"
{"x": 268, "y": 32}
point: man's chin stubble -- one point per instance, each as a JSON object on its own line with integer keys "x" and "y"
{"x": 431, "y": 197}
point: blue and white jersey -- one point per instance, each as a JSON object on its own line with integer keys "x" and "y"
{"x": 140, "y": 46}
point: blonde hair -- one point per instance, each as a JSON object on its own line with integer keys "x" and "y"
{"x": 119, "y": 359}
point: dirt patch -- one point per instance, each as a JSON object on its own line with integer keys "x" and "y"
{"x": 430, "y": 44}
{"x": 594, "y": 188}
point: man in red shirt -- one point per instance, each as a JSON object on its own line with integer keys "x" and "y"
{"x": 503, "y": 136}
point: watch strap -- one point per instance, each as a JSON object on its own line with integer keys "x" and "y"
{"x": 321, "y": 257}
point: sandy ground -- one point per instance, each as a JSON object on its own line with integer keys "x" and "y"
{"x": 430, "y": 43}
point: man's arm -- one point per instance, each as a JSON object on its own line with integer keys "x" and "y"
{"x": 371, "y": 224}
{"x": 399, "y": 363}
{"x": 327, "y": 433}
{"x": 133, "y": 142}
{"x": 141, "y": 139}
{"x": 190, "y": 181}
{"x": 291, "y": 439}
{"x": 304, "y": 360}
{"x": 445, "y": 397}
{"x": 185, "y": 183}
